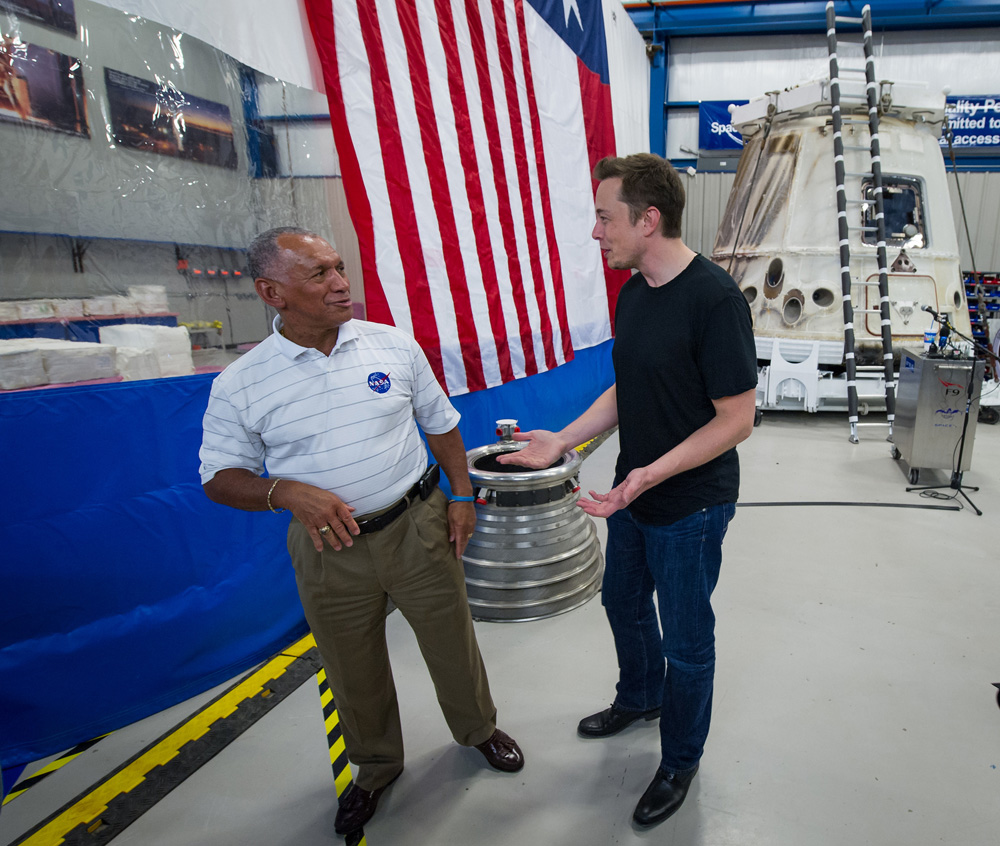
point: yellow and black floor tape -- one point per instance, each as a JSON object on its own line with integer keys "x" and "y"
{"x": 338, "y": 753}
{"x": 585, "y": 449}
{"x": 334, "y": 737}
{"x": 26, "y": 784}
{"x": 105, "y": 809}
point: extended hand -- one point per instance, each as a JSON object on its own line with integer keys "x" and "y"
{"x": 604, "y": 505}
{"x": 461, "y": 522}
{"x": 542, "y": 450}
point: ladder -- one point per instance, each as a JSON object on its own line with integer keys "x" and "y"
{"x": 875, "y": 175}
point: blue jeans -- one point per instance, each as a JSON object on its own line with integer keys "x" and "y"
{"x": 681, "y": 562}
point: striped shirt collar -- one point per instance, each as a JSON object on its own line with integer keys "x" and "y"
{"x": 291, "y": 350}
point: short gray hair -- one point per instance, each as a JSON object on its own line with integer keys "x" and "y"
{"x": 263, "y": 249}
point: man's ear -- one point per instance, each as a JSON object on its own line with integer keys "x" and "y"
{"x": 650, "y": 220}
{"x": 269, "y": 292}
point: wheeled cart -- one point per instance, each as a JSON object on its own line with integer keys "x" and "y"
{"x": 931, "y": 401}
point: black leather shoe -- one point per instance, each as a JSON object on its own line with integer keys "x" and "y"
{"x": 357, "y": 806}
{"x": 612, "y": 720}
{"x": 502, "y": 752}
{"x": 663, "y": 797}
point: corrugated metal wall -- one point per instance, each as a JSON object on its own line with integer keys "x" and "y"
{"x": 981, "y": 194}
{"x": 707, "y": 194}
{"x": 735, "y": 66}
{"x": 741, "y": 67}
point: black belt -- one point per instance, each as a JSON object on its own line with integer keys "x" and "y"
{"x": 422, "y": 489}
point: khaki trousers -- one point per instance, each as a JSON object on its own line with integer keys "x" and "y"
{"x": 344, "y": 597}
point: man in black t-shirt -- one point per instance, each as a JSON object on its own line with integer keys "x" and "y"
{"x": 684, "y": 396}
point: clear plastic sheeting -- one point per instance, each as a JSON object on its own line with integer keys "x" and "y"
{"x": 285, "y": 50}
{"x": 136, "y": 163}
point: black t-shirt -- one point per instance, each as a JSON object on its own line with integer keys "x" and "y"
{"x": 677, "y": 347}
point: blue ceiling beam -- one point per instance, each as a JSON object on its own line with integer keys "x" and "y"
{"x": 659, "y": 21}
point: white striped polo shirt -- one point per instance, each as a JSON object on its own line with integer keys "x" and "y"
{"x": 344, "y": 422}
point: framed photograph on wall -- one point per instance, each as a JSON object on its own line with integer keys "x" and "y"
{"x": 160, "y": 118}
{"x": 42, "y": 88}
{"x": 59, "y": 14}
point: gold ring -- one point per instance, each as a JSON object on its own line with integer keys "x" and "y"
{"x": 325, "y": 529}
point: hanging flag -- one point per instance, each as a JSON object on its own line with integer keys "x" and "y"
{"x": 467, "y": 131}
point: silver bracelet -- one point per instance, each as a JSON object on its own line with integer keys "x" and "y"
{"x": 274, "y": 484}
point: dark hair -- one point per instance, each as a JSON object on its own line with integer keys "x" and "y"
{"x": 263, "y": 249}
{"x": 647, "y": 180}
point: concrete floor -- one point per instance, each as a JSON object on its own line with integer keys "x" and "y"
{"x": 857, "y": 647}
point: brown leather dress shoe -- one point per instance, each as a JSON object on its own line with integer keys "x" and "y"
{"x": 502, "y": 752}
{"x": 357, "y": 806}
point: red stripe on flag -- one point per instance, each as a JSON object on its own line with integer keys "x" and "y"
{"x": 321, "y": 20}
{"x": 400, "y": 198}
{"x": 474, "y": 187}
{"x": 543, "y": 187}
{"x": 507, "y": 57}
{"x": 600, "y": 130}
{"x": 500, "y": 181}
{"x": 454, "y": 264}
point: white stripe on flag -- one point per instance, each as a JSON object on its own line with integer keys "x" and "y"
{"x": 539, "y": 72}
{"x": 491, "y": 209}
{"x": 472, "y": 152}
{"x": 437, "y": 67}
{"x": 572, "y": 198}
{"x": 358, "y": 98}
{"x": 420, "y": 191}
{"x": 515, "y": 241}
{"x": 534, "y": 237}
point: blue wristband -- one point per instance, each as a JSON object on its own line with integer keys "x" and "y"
{"x": 462, "y": 499}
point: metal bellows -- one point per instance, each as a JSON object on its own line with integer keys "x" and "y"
{"x": 534, "y": 552}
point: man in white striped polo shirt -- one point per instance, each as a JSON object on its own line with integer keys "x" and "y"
{"x": 331, "y": 406}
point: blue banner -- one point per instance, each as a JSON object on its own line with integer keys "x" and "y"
{"x": 974, "y": 121}
{"x": 715, "y": 132}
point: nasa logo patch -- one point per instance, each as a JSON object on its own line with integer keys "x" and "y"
{"x": 379, "y": 382}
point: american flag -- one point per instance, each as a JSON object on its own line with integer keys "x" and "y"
{"x": 467, "y": 131}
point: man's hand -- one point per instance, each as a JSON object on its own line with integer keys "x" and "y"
{"x": 604, "y": 505}
{"x": 461, "y": 523}
{"x": 317, "y": 508}
{"x": 314, "y": 507}
{"x": 543, "y": 449}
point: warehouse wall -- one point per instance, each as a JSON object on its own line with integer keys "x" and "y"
{"x": 130, "y": 214}
{"x": 981, "y": 194}
{"x": 741, "y": 68}
{"x": 707, "y": 194}
{"x": 68, "y": 187}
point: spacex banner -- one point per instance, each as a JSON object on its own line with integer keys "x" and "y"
{"x": 715, "y": 130}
